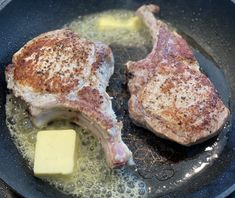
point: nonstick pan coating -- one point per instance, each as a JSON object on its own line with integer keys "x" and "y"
{"x": 210, "y": 23}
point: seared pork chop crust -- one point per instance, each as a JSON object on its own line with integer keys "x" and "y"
{"x": 53, "y": 61}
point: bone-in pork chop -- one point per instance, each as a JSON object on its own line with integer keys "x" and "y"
{"x": 169, "y": 94}
{"x": 60, "y": 75}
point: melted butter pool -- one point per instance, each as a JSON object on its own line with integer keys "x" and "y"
{"x": 92, "y": 177}
{"x": 87, "y": 27}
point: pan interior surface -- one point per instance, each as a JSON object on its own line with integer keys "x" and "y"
{"x": 165, "y": 167}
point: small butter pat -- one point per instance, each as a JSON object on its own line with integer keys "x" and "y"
{"x": 55, "y": 153}
{"x": 109, "y": 22}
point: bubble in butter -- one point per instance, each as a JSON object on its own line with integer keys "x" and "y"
{"x": 56, "y": 152}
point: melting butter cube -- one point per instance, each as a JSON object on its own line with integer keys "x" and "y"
{"x": 109, "y": 22}
{"x": 55, "y": 152}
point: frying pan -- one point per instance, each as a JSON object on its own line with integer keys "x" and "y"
{"x": 178, "y": 171}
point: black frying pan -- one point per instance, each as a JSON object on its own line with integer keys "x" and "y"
{"x": 211, "y": 23}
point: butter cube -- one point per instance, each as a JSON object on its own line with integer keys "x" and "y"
{"x": 109, "y": 22}
{"x": 55, "y": 152}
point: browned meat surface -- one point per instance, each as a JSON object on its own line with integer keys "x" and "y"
{"x": 169, "y": 94}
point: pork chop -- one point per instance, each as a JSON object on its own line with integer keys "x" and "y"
{"x": 62, "y": 76}
{"x": 170, "y": 96}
